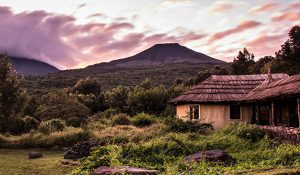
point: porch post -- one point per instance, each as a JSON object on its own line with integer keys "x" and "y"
{"x": 272, "y": 122}
{"x": 298, "y": 109}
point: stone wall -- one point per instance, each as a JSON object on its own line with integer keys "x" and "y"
{"x": 281, "y": 133}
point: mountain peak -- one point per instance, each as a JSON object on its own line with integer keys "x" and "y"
{"x": 166, "y": 45}
{"x": 163, "y": 54}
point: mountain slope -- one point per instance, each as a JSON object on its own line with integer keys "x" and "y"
{"x": 163, "y": 54}
{"x": 26, "y": 67}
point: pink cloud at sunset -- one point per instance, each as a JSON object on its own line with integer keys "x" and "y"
{"x": 264, "y": 8}
{"x": 79, "y": 33}
{"x": 242, "y": 26}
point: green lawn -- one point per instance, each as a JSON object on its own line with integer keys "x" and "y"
{"x": 15, "y": 162}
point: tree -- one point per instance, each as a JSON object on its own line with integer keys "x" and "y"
{"x": 117, "y": 99}
{"x": 242, "y": 63}
{"x": 259, "y": 65}
{"x": 9, "y": 93}
{"x": 288, "y": 57}
{"x": 146, "y": 98}
{"x": 62, "y": 106}
{"x": 89, "y": 92}
{"x": 87, "y": 86}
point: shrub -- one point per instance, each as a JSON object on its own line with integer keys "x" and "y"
{"x": 17, "y": 126}
{"x": 31, "y": 123}
{"x": 248, "y": 132}
{"x": 65, "y": 138}
{"x": 120, "y": 119}
{"x": 142, "y": 120}
{"x": 74, "y": 122}
{"x": 99, "y": 157}
{"x": 178, "y": 125}
{"x": 51, "y": 126}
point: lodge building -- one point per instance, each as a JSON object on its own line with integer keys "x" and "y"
{"x": 264, "y": 99}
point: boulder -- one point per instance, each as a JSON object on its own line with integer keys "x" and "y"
{"x": 79, "y": 150}
{"x": 121, "y": 170}
{"x": 34, "y": 155}
{"x": 217, "y": 156}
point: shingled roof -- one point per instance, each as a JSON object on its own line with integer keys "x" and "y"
{"x": 283, "y": 87}
{"x": 223, "y": 88}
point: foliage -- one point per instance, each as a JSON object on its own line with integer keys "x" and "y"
{"x": 166, "y": 152}
{"x": 120, "y": 119}
{"x": 65, "y": 138}
{"x": 117, "y": 98}
{"x": 75, "y": 122}
{"x": 178, "y": 125}
{"x": 87, "y": 86}
{"x": 30, "y": 123}
{"x": 50, "y": 126}
{"x": 242, "y": 63}
{"x": 146, "y": 98}
{"x": 60, "y": 105}
{"x": 288, "y": 57}
{"x": 143, "y": 120}
{"x": 10, "y": 93}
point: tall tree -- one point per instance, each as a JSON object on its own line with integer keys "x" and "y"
{"x": 242, "y": 63}
{"x": 288, "y": 57}
{"x": 9, "y": 93}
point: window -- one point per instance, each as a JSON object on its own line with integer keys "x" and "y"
{"x": 235, "y": 112}
{"x": 194, "y": 112}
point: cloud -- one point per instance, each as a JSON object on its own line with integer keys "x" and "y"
{"x": 292, "y": 6}
{"x": 264, "y": 8}
{"x": 242, "y": 26}
{"x": 266, "y": 44}
{"x": 222, "y": 6}
{"x": 286, "y": 16}
{"x": 57, "y": 39}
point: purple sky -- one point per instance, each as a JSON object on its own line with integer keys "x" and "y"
{"x": 77, "y": 33}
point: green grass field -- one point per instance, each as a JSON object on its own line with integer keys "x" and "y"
{"x": 15, "y": 162}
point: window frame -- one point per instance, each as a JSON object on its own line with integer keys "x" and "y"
{"x": 236, "y": 109}
{"x": 192, "y": 113}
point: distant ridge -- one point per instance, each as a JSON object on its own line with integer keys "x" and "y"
{"x": 163, "y": 54}
{"x": 26, "y": 67}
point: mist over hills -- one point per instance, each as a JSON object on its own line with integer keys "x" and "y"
{"x": 26, "y": 67}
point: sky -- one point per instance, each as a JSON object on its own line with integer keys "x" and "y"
{"x": 76, "y": 33}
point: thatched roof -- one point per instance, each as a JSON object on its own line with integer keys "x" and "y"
{"x": 283, "y": 87}
{"x": 223, "y": 88}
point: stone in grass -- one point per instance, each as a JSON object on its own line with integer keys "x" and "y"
{"x": 79, "y": 150}
{"x": 34, "y": 155}
{"x": 120, "y": 170}
{"x": 217, "y": 156}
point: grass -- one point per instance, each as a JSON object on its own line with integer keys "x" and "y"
{"x": 253, "y": 150}
{"x": 15, "y": 162}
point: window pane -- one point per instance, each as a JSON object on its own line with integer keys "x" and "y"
{"x": 235, "y": 112}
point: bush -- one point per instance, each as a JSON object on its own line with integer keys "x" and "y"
{"x": 51, "y": 126}
{"x": 17, "y": 126}
{"x": 74, "y": 122}
{"x": 65, "y": 138}
{"x": 178, "y": 125}
{"x": 31, "y": 123}
{"x": 120, "y": 119}
{"x": 248, "y": 132}
{"x": 142, "y": 120}
{"x": 99, "y": 157}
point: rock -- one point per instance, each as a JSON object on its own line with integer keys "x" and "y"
{"x": 69, "y": 162}
{"x": 34, "y": 155}
{"x": 217, "y": 156}
{"x": 121, "y": 170}
{"x": 79, "y": 150}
